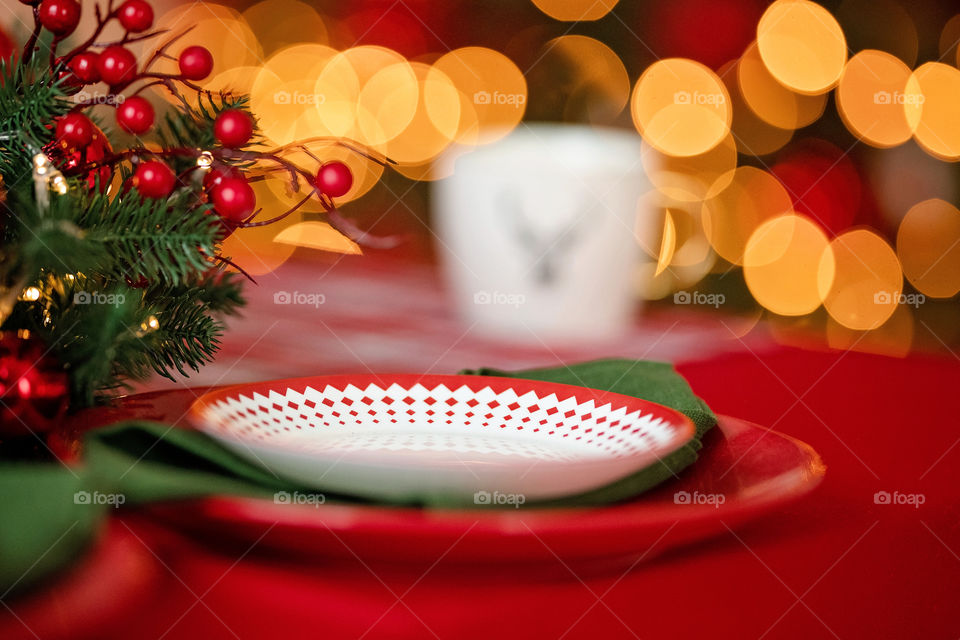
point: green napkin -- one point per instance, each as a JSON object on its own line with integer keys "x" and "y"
{"x": 50, "y": 513}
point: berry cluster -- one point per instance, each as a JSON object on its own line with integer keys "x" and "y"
{"x": 224, "y": 185}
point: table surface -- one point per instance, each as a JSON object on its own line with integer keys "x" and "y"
{"x": 837, "y": 564}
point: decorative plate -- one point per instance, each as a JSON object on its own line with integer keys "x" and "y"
{"x": 435, "y": 438}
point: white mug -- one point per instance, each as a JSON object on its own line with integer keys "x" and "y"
{"x": 537, "y": 232}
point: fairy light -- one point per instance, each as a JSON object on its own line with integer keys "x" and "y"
{"x": 205, "y": 160}
{"x": 30, "y": 294}
{"x": 148, "y": 325}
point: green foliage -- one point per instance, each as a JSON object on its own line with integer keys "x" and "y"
{"x": 128, "y": 286}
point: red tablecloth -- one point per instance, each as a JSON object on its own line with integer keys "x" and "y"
{"x": 837, "y": 564}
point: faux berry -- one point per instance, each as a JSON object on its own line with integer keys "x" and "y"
{"x": 233, "y": 199}
{"x": 135, "y": 15}
{"x": 334, "y": 179}
{"x": 117, "y": 65}
{"x": 154, "y": 179}
{"x": 60, "y": 17}
{"x": 233, "y": 128}
{"x": 75, "y": 131}
{"x": 195, "y": 63}
{"x": 84, "y": 67}
{"x": 216, "y": 175}
{"x": 135, "y": 115}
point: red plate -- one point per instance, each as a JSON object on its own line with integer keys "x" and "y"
{"x": 744, "y": 471}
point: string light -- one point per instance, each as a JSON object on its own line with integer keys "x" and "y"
{"x": 30, "y": 294}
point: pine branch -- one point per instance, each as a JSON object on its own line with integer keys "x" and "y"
{"x": 30, "y": 99}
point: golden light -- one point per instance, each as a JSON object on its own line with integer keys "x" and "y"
{"x": 423, "y": 139}
{"x": 732, "y": 214}
{"x": 236, "y": 80}
{"x": 283, "y": 93}
{"x": 317, "y": 235}
{"x": 754, "y": 136}
{"x": 787, "y": 262}
{"x": 279, "y": 22}
{"x": 576, "y": 10}
{"x": 681, "y": 107}
{"x": 770, "y": 100}
{"x": 668, "y": 244}
{"x": 928, "y": 244}
{"x": 949, "y": 39}
{"x": 892, "y": 339}
{"x": 30, "y": 294}
{"x": 387, "y": 104}
{"x": 253, "y": 247}
{"x": 802, "y": 45}
{"x": 931, "y": 103}
{"x": 871, "y": 98}
{"x": 688, "y": 179}
{"x": 867, "y": 280}
{"x": 220, "y": 29}
{"x": 493, "y": 87}
{"x": 599, "y": 78}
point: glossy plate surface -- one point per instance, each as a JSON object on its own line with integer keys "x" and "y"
{"x": 407, "y": 437}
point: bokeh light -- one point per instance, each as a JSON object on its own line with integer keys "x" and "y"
{"x": 731, "y": 215}
{"x": 771, "y": 101}
{"x": 681, "y": 107}
{"x": 598, "y": 85}
{"x": 576, "y": 10}
{"x": 867, "y": 281}
{"x": 871, "y": 98}
{"x": 688, "y": 179}
{"x": 893, "y": 338}
{"x": 931, "y": 103}
{"x": 314, "y": 234}
{"x": 491, "y": 86}
{"x": 754, "y": 136}
{"x": 928, "y": 244}
{"x": 802, "y": 45}
{"x": 277, "y": 23}
{"x": 787, "y": 263}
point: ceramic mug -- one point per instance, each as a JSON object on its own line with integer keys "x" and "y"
{"x": 537, "y": 233}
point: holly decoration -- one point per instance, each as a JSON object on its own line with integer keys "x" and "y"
{"x": 60, "y": 17}
{"x": 154, "y": 179}
{"x": 233, "y": 128}
{"x": 75, "y": 130}
{"x": 135, "y": 115}
{"x": 102, "y": 286}
{"x": 195, "y": 63}
{"x": 334, "y": 179}
{"x": 136, "y": 16}
{"x": 33, "y": 387}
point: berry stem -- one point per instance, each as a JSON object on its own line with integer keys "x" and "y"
{"x": 101, "y": 23}
{"x": 31, "y": 45}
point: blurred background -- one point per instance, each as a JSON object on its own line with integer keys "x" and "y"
{"x": 800, "y": 157}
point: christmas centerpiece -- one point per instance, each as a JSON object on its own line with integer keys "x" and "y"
{"x": 111, "y": 266}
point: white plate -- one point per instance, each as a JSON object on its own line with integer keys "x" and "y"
{"x": 475, "y": 439}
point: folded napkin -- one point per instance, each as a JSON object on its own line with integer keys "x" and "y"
{"x": 49, "y": 513}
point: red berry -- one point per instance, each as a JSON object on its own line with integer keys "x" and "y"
{"x": 84, "y": 67}
{"x": 117, "y": 65}
{"x": 154, "y": 179}
{"x": 217, "y": 174}
{"x": 334, "y": 179}
{"x": 135, "y": 15}
{"x": 234, "y": 199}
{"x": 75, "y": 130}
{"x": 135, "y": 115}
{"x": 60, "y": 16}
{"x": 233, "y": 128}
{"x": 196, "y": 63}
